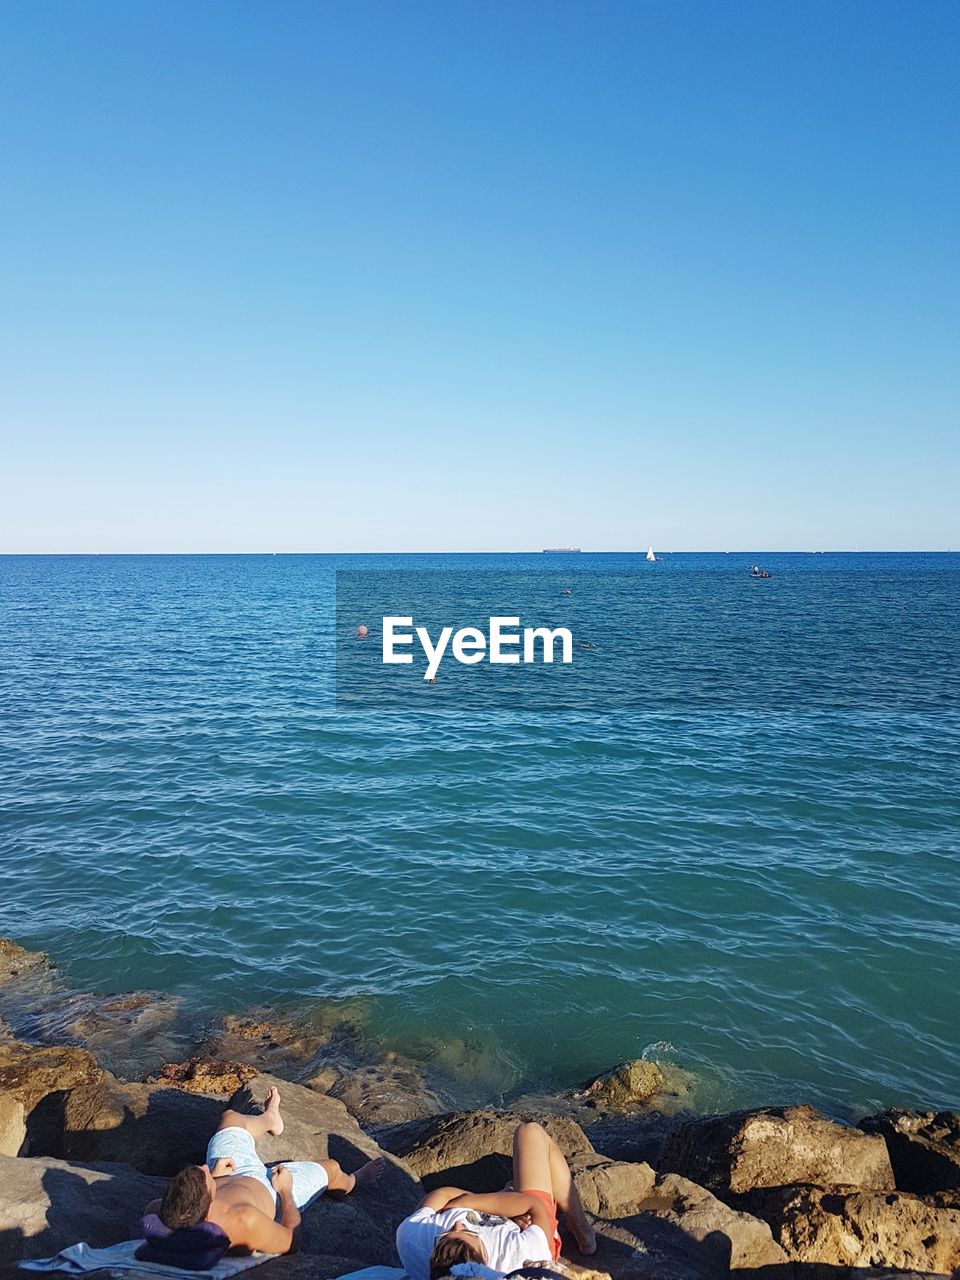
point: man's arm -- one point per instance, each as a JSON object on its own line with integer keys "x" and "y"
{"x": 253, "y": 1230}
{"x": 507, "y": 1204}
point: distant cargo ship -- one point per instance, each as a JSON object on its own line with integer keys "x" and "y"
{"x": 561, "y": 551}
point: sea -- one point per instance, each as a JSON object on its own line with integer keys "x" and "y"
{"x": 733, "y": 847}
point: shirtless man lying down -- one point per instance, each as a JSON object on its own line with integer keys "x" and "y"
{"x": 258, "y": 1208}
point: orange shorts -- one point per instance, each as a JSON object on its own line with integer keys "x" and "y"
{"x": 551, "y": 1205}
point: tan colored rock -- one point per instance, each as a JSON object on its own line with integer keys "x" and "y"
{"x": 157, "y": 1130}
{"x": 738, "y": 1239}
{"x": 30, "y": 1072}
{"x": 388, "y": 1094}
{"x": 627, "y": 1085}
{"x": 205, "y": 1075}
{"x": 16, "y": 960}
{"x": 649, "y": 1247}
{"x": 740, "y": 1151}
{"x": 298, "y": 1048}
{"x": 39, "y": 1077}
{"x": 46, "y": 1205}
{"x": 863, "y": 1229}
{"x": 611, "y": 1188}
{"x": 322, "y": 1081}
{"x": 129, "y": 1032}
{"x": 474, "y": 1149}
{"x": 13, "y": 1125}
{"x": 924, "y": 1149}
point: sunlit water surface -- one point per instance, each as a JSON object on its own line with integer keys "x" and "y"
{"x": 528, "y": 898}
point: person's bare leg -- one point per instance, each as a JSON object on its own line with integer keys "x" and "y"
{"x": 568, "y": 1200}
{"x": 340, "y": 1184}
{"x": 539, "y": 1165}
{"x": 269, "y": 1121}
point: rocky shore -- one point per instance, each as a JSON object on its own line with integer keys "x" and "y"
{"x": 776, "y": 1192}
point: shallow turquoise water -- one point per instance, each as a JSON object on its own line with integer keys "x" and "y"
{"x": 767, "y": 883}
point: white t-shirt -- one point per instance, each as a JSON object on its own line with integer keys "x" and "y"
{"x": 506, "y": 1246}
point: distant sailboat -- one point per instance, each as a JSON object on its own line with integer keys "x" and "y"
{"x": 650, "y": 555}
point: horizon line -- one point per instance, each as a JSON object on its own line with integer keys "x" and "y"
{"x": 605, "y": 551}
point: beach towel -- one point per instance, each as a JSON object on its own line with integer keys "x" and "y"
{"x": 375, "y": 1273}
{"x": 81, "y": 1258}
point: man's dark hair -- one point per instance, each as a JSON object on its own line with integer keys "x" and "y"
{"x": 186, "y": 1199}
{"x": 449, "y": 1250}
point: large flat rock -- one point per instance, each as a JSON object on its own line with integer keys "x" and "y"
{"x": 731, "y": 1237}
{"x": 474, "y": 1149}
{"x": 46, "y": 1205}
{"x": 155, "y": 1129}
{"x": 860, "y": 1229}
{"x": 737, "y": 1152}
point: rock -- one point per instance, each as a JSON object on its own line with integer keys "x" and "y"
{"x": 205, "y": 1075}
{"x": 390, "y": 1094}
{"x": 13, "y": 1125}
{"x": 16, "y": 960}
{"x": 129, "y": 1033}
{"x": 49, "y": 1204}
{"x": 315, "y": 1126}
{"x": 627, "y": 1085}
{"x": 324, "y": 1079}
{"x": 39, "y": 1076}
{"x": 634, "y": 1136}
{"x": 648, "y": 1247}
{"x": 31, "y": 1072}
{"x": 625, "y": 1192}
{"x": 473, "y": 1149}
{"x": 924, "y": 1148}
{"x": 862, "y": 1229}
{"x": 157, "y": 1130}
{"x": 102, "y": 1202}
{"x": 737, "y": 1240}
{"x": 312, "y": 1266}
{"x": 298, "y": 1049}
{"x": 734, "y": 1153}
{"x": 611, "y": 1188}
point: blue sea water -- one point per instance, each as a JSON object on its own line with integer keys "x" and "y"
{"x": 751, "y": 855}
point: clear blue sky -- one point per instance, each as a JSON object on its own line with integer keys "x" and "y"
{"x": 461, "y": 275}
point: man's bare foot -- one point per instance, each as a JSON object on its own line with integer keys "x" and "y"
{"x": 271, "y": 1109}
{"x": 369, "y": 1174}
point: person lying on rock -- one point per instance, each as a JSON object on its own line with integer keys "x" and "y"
{"x": 256, "y": 1207}
{"x": 505, "y": 1230}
